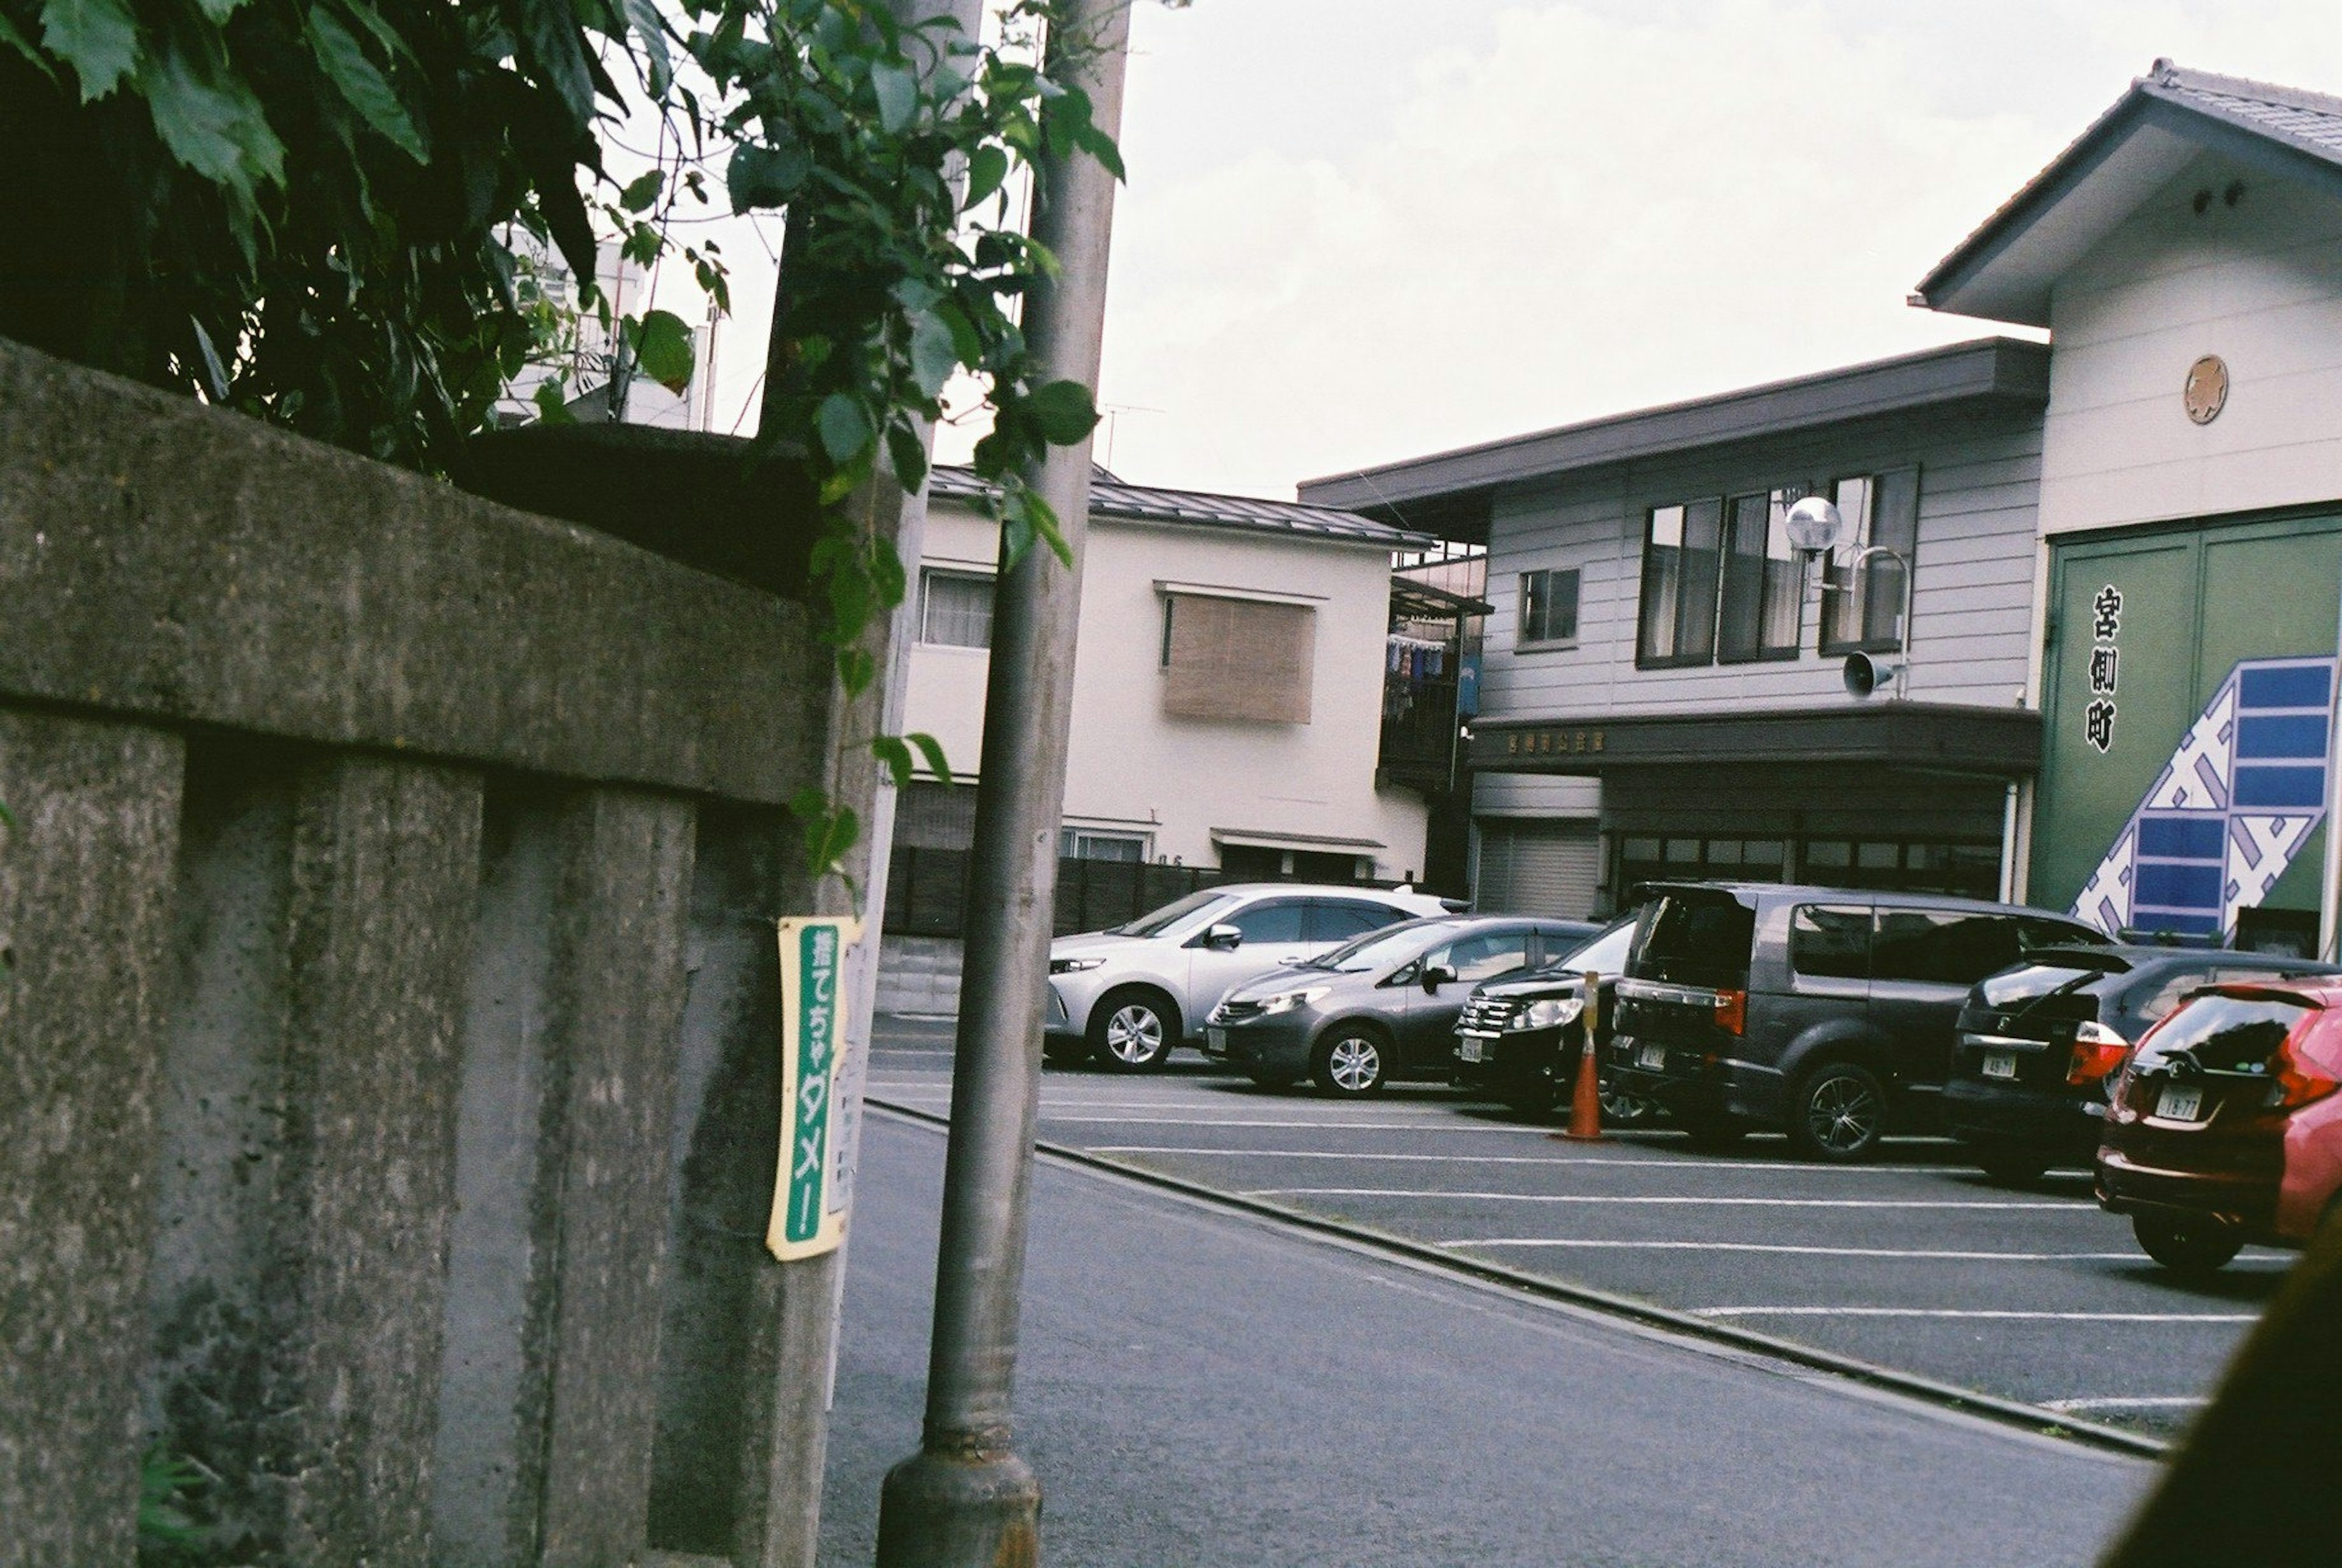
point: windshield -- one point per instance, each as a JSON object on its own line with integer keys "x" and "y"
{"x": 1603, "y": 953}
{"x": 2224, "y": 1033}
{"x": 1157, "y": 922}
{"x": 1392, "y": 944}
{"x": 1695, "y": 936}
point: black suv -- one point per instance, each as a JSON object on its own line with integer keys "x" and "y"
{"x": 1517, "y": 1039}
{"x": 2042, "y": 1045}
{"x": 1824, "y": 1012}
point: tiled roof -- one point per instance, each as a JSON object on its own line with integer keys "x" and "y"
{"x": 2309, "y": 121}
{"x": 1112, "y": 497}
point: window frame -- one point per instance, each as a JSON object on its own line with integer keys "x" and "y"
{"x": 1834, "y": 587}
{"x": 1772, "y": 506}
{"x": 928, "y": 577}
{"x": 1648, "y": 579}
{"x": 1521, "y": 638}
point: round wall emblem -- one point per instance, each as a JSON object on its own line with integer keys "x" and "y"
{"x": 2206, "y": 391}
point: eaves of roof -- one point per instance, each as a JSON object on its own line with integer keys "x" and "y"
{"x": 1993, "y": 370}
{"x": 1115, "y": 499}
{"x": 2005, "y": 269}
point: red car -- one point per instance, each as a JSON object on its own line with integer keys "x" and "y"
{"x": 2226, "y": 1127}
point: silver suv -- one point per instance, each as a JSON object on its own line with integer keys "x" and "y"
{"x": 1130, "y": 995}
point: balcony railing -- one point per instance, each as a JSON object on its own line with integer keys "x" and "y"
{"x": 1419, "y": 728}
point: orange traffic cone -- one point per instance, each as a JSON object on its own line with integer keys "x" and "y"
{"x": 1585, "y": 1098}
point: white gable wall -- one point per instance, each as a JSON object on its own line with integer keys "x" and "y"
{"x": 1133, "y": 768}
{"x": 2259, "y": 285}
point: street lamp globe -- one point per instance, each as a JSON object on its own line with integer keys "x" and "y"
{"x": 1815, "y": 524}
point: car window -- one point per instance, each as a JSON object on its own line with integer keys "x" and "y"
{"x": 1158, "y": 920}
{"x": 1275, "y": 921}
{"x": 2224, "y": 1033}
{"x": 2174, "y": 986}
{"x": 1340, "y": 919}
{"x": 1693, "y": 936}
{"x": 1830, "y": 941}
{"x": 1944, "y": 947}
{"x": 1484, "y": 956}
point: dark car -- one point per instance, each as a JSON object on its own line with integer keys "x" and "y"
{"x": 1381, "y": 1007}
{"x": 2226, "y": 1127}
{"x": 2041, "y": 1045}
{"x": 1825, "y": 1013}
{"x": 1517, "y": 1039}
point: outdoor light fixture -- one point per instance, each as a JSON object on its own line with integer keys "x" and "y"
{"x": 1863, "y": 673}
{"x": 1815, "y": 524}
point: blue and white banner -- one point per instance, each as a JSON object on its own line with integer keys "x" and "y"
{"x": 2239, "y": 799}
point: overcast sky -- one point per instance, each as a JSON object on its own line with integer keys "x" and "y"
{"x": 1358, "y": 231}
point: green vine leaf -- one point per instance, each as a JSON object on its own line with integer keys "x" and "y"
{"x": 98, "y": 38}
{"x": 366, "y": 89}
{"x": 932, "y": 752}
{"x": 661, "y": 345}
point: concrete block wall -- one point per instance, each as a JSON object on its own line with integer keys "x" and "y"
{"x": 919, "y": 973}
{"x": 388, "y": 1006}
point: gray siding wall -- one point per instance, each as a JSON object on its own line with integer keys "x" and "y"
{"x": 1979, "y": 486}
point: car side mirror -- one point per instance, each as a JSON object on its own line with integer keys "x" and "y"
{"x": 1435, "y": 976}
{"x": 1224, "y": 938}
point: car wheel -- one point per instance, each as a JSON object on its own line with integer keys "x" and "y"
{"x": 1352, "y": 1061}
{"x": 1839, "y": 1112}
{"x": 2012, "y": 1167}
{"x": 1133, "y": 1031}
{"x": 1622, "y": 1109}
{"x": 2187, "y": 1244}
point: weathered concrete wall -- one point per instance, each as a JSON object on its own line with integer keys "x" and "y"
{"x": 919, "y": 973}
{"x": 388, "y": 1092}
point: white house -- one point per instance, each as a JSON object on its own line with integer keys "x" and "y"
{"x": 1228, "y": 692}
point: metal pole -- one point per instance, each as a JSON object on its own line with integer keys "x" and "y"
{"x": 965, "y": 1498}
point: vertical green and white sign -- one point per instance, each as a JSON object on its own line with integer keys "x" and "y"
{"x": 810, "y": 1190}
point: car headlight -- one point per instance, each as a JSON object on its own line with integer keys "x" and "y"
{"x": 1287, "y": 1001}
{"x": 1073, "y": 965}
{"x": 1550, "y": 1013}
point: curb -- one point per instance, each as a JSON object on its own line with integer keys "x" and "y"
{"x": 2011, "y": 1412}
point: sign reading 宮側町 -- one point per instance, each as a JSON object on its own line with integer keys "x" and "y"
{"x": 811, "y": 1188}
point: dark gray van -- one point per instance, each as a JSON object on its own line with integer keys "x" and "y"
{"x": 1824, "y": 1012}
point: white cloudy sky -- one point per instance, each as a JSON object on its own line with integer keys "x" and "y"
{"x": 1362, "y": 230}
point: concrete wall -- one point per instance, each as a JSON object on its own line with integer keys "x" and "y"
{"x": 386, "y": 999}
{"x": 919, "y": 974}
{"x": 2259, "y": 284}
{"x": 1133, "y": 768}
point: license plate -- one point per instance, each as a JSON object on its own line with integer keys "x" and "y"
{"x": 1215, "y": 1040}
{"x": 2000, "y": 1065}
{"x": 1651, "y": 1057}
{"x": 1469, "y": 1047}
{"x": 2180, "y": 1102}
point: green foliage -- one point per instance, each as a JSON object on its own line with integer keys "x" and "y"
{"x": 168, "y": 1534}
{"x": 300, "y": 207}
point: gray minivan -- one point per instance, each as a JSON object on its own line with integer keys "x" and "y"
{"x": 1825, "y": 1013}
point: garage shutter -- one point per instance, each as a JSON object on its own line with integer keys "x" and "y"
{"x": 1537, "y": 867}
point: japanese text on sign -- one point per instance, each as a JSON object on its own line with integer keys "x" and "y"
{"x": 808, "y": 1196}
{"x": 2105, "y": 668}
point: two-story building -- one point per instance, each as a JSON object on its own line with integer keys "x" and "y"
{"x": 1661, "y": 688}
{"x": 2112, "y": 566}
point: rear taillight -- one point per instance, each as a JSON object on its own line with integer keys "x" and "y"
{"x": 2098, "y": 1054}
{"x": 1732, "y": 1012}
{"x": 2297, "y": 1084}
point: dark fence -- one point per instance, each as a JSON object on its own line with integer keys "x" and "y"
{"x": 926, "y": 891}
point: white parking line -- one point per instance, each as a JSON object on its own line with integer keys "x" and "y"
{"x": 1610, "y": 1245}
{"x": 1425, "y": 1126}
{"x": 1543, "y": 1160}
{"x": 1993, "y": 1314}
{"x": 2130, "y": 1401}
{"x": 2077, "y": 1206}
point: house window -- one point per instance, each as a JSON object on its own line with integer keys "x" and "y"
{"x": 1237, "y": 659}
{"x": 1861, "y": 607}
{"x": 1081, "y": 844}
{"x": 955, "y": 609}
{"x": 1679, "y": 569}
{"x": 1548, "y": 607}
{"x": 1763, "y": 604}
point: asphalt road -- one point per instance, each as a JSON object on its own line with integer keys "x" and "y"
{"x": 1200, "y": 1388}
{"x": 1914, "y": 1263}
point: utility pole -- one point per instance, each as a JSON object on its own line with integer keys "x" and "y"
{"x": 965, "y": 1500}
{"x": 801, "y": 1302}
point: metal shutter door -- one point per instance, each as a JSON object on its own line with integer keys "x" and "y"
{"x": 1532, "y": 867}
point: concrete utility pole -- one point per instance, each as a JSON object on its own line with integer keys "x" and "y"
{"x": 803, "y": 1299}
{"x": 965, "y": 1499}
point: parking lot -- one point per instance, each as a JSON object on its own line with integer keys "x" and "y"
{"x": 1914, "y": 1262}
